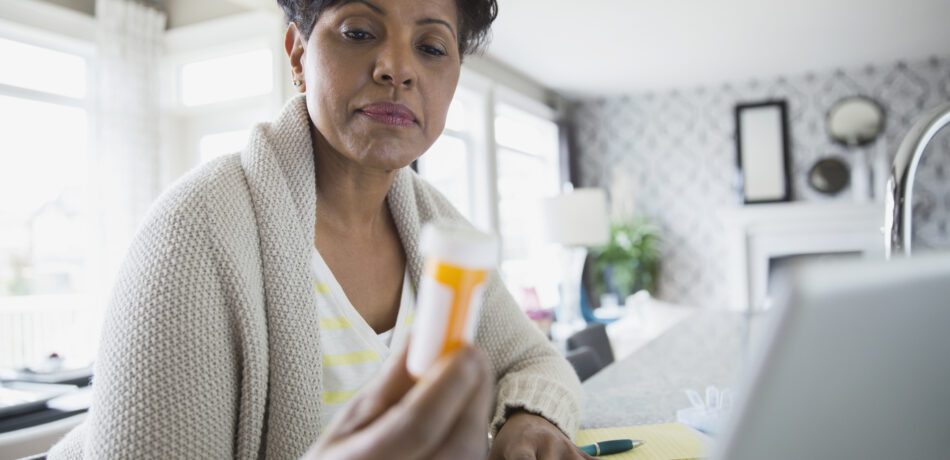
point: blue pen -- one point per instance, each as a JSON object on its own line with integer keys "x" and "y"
{"x": 614, "y": 446}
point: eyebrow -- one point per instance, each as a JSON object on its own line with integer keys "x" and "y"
{"x": 382, "y": 12}
{"x": 371, "y": 6}
{"x": 436, "y": 21}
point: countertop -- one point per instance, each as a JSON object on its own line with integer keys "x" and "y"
{"x": 708, "y": 348}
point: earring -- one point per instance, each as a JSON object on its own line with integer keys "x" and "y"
{"x": 297, "y": 82}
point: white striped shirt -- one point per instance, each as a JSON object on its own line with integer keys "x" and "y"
{"x": 352, "y": 351}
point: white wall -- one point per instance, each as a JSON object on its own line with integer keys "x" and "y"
{"x": 673, "y": 154}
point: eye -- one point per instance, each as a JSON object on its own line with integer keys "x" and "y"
{"x": 357, "y": 35}
{"x": 432, "y": 50}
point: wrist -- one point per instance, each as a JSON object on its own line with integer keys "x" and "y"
{"x": 521, "y": 417}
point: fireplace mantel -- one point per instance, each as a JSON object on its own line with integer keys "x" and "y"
{"x": 759, "y": 233}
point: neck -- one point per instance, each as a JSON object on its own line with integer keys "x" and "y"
{"x": 351, "y": 198}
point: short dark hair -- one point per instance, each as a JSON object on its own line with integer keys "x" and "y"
{"x": 474, "y": 21}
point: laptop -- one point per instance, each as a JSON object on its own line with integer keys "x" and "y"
{"x": 857, "y": 367}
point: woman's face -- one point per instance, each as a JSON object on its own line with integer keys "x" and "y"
{"x": 379, "y": 76}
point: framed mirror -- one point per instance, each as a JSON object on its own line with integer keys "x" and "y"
{"x": 762, "y": 154}
{"x": 829, "y": 176}
{"x": 855, "y": 121}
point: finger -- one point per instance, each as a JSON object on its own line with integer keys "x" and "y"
{"x": 578, "y": 453}
{"x": 551, "y": 448}
{"x": 519, "y": 452}
{"x": 558, "y": 446}
{"x": 372, "y": 401}
{"x": 558, "y": 449}
{"x": 567, "y": 450}
{"x": 468, "y": 439}
{"x": 440, "y": 398}
{"x": 422, "y": 420}
{"x": 545, "y": 447}
{"x": 516, "y": 450}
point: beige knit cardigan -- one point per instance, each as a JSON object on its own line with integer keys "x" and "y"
{"x": 211, "y": 343}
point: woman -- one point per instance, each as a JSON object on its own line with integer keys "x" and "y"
{"x": 267, "y": 287}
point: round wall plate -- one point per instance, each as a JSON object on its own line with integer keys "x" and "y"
{"x": 829, "y": 176}
{"x": 855, "y": 121}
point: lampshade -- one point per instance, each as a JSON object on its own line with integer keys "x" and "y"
{"x": 577, "y": 218}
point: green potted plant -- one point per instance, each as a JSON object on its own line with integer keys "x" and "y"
{"x": 629, "y": 262}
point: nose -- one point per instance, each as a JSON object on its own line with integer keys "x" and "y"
{"x": 394, "y": 67}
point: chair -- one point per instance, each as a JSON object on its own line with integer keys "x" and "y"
{"x": 595, "y": 337}
{"x": 585, "y": 362}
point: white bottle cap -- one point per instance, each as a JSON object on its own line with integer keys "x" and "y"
{"x": 459, "y": 245}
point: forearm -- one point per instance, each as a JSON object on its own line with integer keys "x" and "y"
{"x": 548, "y": 387}
{"x": 531, "y": 374}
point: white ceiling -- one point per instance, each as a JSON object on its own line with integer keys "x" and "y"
{"x": 597, "y": 47}
{"x": 602, "y": 47}
{"x": 187, "y": 12}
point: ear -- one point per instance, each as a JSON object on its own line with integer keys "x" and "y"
{"x": 294, "y": 45}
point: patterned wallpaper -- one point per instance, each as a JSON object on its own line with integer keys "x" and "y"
{"x": 671, "y": 156}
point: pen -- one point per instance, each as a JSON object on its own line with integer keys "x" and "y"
{"x": 614, "y": 446}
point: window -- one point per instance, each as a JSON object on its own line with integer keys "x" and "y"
{"x": 448, "y": 164}
{"x": 527, "y": 158}
{"x": 227, "y": 78}
{"x": 45, "y": 212}
{"x": 41, "y": 189}
{"x": 42, "y": 177}
{"x": 497, "y": 180}
{"x": 49, "y": 71}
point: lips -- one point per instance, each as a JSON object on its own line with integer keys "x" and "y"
{"x": 389, "y": 113}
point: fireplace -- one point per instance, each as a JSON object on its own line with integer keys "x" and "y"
{"x": 762, "y": 235}
{"x": 777, "y": 265}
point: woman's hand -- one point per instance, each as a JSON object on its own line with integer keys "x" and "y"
{"x": 443, "y": 415}
{"x": 527, "y": 436}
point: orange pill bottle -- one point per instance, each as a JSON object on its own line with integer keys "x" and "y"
{"x": 458, "y": 263}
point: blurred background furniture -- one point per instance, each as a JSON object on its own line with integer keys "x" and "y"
{"x": 37, "y": 439}
{"x": 585, "y": 361}
{"x": 39, "y": 404}
{"x": 595, "y": 338}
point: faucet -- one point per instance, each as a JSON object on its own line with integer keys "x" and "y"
{"x": 898, "y": 206}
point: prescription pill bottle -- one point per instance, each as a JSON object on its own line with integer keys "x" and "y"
{"x": 458, "y": 261}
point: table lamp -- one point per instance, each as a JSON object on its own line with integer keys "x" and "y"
{"x": 575, "y": 220}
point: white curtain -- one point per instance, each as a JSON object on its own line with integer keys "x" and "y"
{"x": 129, "y": 39}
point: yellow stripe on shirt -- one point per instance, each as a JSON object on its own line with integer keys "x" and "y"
{"x": 338, "y": 322}
{"x": 321, "y": 288}
{"x": 337, "y": 397}
{"x": 344, "y": 359}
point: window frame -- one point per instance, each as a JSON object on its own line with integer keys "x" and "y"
{"x": 488, "y": 93}
{"x": 185, "y": 126}
{"x": 56, "y": 28}
{"x": 472, "y": 102}
{"x": 519, "y": 101}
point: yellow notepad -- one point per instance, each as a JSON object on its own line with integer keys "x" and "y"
{"x": 668, "y": 441}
